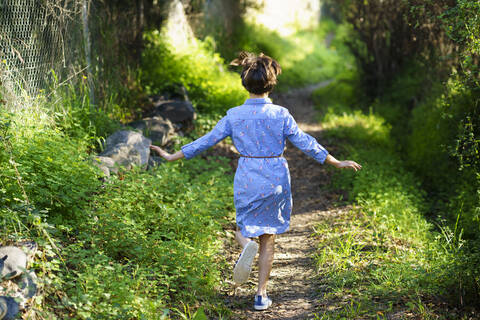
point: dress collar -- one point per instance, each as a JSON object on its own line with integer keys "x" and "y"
{"x": 258, "y": 101}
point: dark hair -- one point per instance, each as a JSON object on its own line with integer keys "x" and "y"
{"x": 259, "y": 74}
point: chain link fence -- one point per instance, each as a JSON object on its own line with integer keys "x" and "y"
{"x": 38, "y": 36}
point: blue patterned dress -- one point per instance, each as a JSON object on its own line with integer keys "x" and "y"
{"x": 262, "y": 194}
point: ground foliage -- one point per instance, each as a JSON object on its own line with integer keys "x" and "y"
{"x": 382, "y": 258}
{"x": 141, "y": 245}
{"x": 425, "y": 83}
{"x": 210, "y": 86}
{"x": 103, "y": 252}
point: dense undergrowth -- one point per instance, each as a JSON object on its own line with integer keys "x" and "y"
{"x": 383, "y": 253}
{"x": 307, "y": 56}
{"x": 137, "y": 246}
{"x": 144, "y": 245}
{"x": 141, "y": 245}
{"x": 427, "y": 93}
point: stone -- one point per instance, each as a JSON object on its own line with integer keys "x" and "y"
{"x": 13, "y": 262}
{"x": 9, "y": 308}
{"x": 127, "y": 148}
{"x": 174, "y": 91}
{"x": 155, "y": 161}
{"x": 106, "y": 164}
{"x": 29, "y": 247}
{"x": 28, "y": 284}
{"x": 178, "y": 112}
{"x": 157, "y": 129}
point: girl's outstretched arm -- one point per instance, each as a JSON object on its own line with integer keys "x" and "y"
{"x": 167, "y": 156}
{"x": 342, "y": 164}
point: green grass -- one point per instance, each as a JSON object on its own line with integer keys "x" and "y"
{"x": 153, "y": 237}
{"x": 304, "y": 56}
{"x": 212, "y": 88}
{"x": 380, "y": 256}
{"x": 142, "y": 245}
{"x": 308, "y": 60}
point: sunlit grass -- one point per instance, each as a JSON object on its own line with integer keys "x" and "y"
{"x": 380, "y": 257}
{"x": 310, "y": 59}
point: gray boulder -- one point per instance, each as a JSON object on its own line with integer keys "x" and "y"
{"x": 29, "y": 247}
{"x": 178, "y": 112}
{"x": 9, "y": 308}
{"x": 127, "y": 148}
{"x": 13, "y": 261}
{"x": 28, "y": 284}
{"x": 158, "y": 129}
{"x": 106, "y": 164}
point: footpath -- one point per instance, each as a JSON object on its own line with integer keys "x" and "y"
{"x": 292, "y": 285}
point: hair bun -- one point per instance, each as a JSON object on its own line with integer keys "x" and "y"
{"x": 259, "y": 74}
{"x": 249, "y": 60}
{"x": 244, "y": 59}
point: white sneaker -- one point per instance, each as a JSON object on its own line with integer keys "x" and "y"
{"x": 243, "y": 267}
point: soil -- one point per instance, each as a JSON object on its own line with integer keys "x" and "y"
{"x": 293, "y": 286}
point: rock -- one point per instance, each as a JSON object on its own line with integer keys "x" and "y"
{"x": 158, "y": 129}
{"x": 155, "y": 161}
{"x": 3, "y": 308}
{"x": 127, "y": 148}
{"x": 29, "y": 247}
{"x": 175, "y": 91}
{"x": 106, "y": 164}
{"x": 13, "y": 261}
{"x": 178, "y": 112}
{"x": 28, "y": 284}
{"x": 8, "y": 308}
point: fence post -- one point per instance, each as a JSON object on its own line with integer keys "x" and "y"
{"x": 87, "y": 46}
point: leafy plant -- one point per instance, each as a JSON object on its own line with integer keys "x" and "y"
{"x": 202, "y": 72}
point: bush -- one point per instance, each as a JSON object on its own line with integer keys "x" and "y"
{"x": 392, "y": 206}
{"x": 342, "y": 94}
{"x": 155, "y": 235}
{"x": 202, "y": 72}
{"x": 305, "y": 57}
{"x": 139, "y": 246}
{"x": 51, "y": 168}
{"x": 435, "y": 125}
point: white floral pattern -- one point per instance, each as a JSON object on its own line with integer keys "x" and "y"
{"x": 262, "y": 192}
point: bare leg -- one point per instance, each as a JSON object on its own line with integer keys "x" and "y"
{"x": 265, "y": 260}
{"x": 242, "y": 241}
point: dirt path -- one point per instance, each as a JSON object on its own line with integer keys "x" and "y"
{"x": 292, "y": 284}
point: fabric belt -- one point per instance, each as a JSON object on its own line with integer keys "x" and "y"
{"x": 261, "y": 157}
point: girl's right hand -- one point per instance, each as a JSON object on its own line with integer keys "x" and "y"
{"x": 162, "y": 153}
{"x": 167, "y": 156}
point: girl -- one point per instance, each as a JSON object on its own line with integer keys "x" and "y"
{"x": 262, "y": 194}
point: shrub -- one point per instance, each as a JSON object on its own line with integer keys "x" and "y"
{"x": 394, "y": 208}
{"x": 435, "y": 125}
{"x": 49, "y": 166}
{"x": 155, "y": 235}
{"x": 202, "y": 72}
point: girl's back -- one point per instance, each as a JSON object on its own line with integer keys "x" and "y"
{"x": 257, "y": 128}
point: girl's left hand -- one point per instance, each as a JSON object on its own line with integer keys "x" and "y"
{"x": 349, "y": 164}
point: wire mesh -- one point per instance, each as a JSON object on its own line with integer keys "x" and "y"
{"x": 37, "y": 36}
